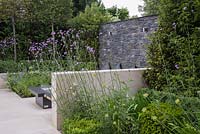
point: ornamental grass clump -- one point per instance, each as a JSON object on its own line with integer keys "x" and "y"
{"x": 88, "y": 96}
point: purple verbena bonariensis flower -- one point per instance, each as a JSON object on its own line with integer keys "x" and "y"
{"x": 174, "y": 25}
{"x": 77, "y": 35}
{"x": 53, "y": 33}
{"x": 65, "y": 53}
{"x": 176, "y": 66}
{"x": 90, "y": 49}
{"x": 7, "y": 42}
{"x": 61, "y": 32}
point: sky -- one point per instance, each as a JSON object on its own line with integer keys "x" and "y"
{"x": 132, "y": 5}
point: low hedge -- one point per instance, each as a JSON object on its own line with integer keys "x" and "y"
{"x": 20, "y": 82}
{"x": 81, "y": 126}
{"x": 48, "y": 65}
{"x": 8, "y": 66}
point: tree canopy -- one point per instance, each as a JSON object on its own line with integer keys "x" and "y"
{"x": 150, "y": 7}
{"x": 80, "y": 5}
{"x": 119, "y": 13}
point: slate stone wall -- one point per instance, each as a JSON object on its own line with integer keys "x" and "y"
{"x": 123, "y": 44}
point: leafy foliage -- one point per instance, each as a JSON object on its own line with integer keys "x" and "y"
{"x": 150, "y": 7}
{"x": 190, "y": 107}
{"x": 186, "y": 129}
{"x": 54, "y": 11}
{"x": 174, "y": 52}
{"x": 80, "y": 5}
{"x": 89, "y": 21}
{"x": 82, "y": 126}
{"x": 8, "y": 66}
{"x": 149, "y": 111}
{"x": 20, "y": 83}
{"x": 91, "y": 18}
{"x": 121, "y": 14}
{"x": 156, "y": 117}
{"x": 115, "y": 113}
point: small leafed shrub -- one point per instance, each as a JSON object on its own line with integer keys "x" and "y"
{"x": 8, "y": 66}
{"x": 157, "y": 117}
{"x": 82, "y": 126}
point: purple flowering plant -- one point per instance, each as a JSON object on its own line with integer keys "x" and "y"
{"x": 69, "y": 43}
{"x": 176, "y": 66}
{"x": 5, "y": 45}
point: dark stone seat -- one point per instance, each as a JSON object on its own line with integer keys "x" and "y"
{"x": 43, "y": 96}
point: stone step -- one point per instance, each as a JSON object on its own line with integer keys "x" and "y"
{"x": 3, "y": 83}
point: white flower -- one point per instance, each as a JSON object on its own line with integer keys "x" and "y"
{"x": 145, "y": 95}
{"x": 154, "y": 117}
{"x": 177, "y": 101}
{"x": 144, "y": 109}
{"x": 114, "y": 123}
{"x": 106, "y": 115}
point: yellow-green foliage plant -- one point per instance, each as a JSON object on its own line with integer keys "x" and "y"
{"x": 81, "y": 126}
{"x": 157, "y": 117}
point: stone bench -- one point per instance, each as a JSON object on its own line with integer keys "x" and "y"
{"x": 43, "y": 96}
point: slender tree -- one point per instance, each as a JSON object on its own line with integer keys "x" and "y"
{"x": 12, "y": 9}
{"x": 53, "y": 12}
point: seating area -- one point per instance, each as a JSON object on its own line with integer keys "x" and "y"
{"x": 42, "y": 96}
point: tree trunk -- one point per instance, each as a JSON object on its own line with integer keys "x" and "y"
{"x": 14, "y": 38}
{"x": 53, "y": 36}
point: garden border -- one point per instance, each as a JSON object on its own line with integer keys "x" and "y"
{"x": 132, "y": 77}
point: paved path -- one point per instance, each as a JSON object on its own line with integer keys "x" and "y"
{"x": 2, "y": 81}
{"x": 23, "y": 116}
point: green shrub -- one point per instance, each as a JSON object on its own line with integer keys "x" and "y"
{"x": 156, "y": 117}
{"x": 190, "y": 105}
{"x": 8, "y": 66}
{"x": 47, "y": 65}
{"x": 118, "y": 113}
{"x": 82, "y": 126}
{"x": 174, "y": 54}
{"x": 20, "y": 82}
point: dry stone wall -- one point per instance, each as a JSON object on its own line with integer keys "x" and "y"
{"x": 123, "y": 44}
